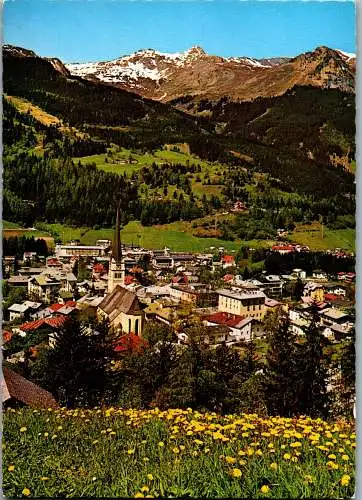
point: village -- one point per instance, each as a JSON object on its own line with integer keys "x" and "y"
{"x": 129, "y": 287}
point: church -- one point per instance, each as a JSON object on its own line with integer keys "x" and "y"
{"x": 120, "y": 306}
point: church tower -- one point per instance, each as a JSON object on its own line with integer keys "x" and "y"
{"x": 117, "y": 269}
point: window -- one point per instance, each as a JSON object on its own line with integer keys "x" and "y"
{"x": 136, "y": 327}
{"x": 129, "y": 325}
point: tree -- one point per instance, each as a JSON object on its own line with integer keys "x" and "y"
{"x": 312, "y": 371}
{"x": 280, "y": 371}
{"x": 74, "y": 371}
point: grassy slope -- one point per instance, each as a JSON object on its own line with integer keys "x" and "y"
{"x": 311, "y": 235}
{"x": 128, "y": 453}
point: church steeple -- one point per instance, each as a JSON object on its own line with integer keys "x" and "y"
{"x": 117, "y": 269}
{"x": 117, "y": 249}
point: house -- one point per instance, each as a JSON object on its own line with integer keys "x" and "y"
{"x": 331, "y": 315}
{"x": 299, "y": 273}
{"x": 299, "y": 318}
{"x": 246, "y": 301}
{"x": 240, "y": 327}
{"x": 18, "y": 281}
{"x": 80, "y": 250}
{"x": 196, "y": 293}
{"x": 54, "y": 322}
{"x": 19, "y": 311}
{"x": 272, "y": 285}
{"x": 43, "y": 287}
{"x": 271, "y": 304}
{"x": 283, "y": 249}
{"x": 17, "y": 389}
{"x": 320, "y": 275}
{"x": 315, "y": 291}
{"x": 122, "y": 309}
{"x": 228, "y": 261}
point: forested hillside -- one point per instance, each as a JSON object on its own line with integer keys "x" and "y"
{"x": 288, "y": 158}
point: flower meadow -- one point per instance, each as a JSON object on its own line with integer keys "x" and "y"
{"x": 152, "y": 453}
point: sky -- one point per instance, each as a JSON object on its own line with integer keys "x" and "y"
{"x": 95, "y": 30}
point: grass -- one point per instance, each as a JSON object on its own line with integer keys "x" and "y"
{"x": 175, "y": 453}
{"x": 311, "y": 235}
{"x": 177, "y": 236}
{"x": 10, "y": 225}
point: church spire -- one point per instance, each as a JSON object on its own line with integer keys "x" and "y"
{"x": 117, "y": 249}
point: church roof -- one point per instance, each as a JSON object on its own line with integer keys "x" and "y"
{"x": 120, "y": 300}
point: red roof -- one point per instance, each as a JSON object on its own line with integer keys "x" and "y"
{"x": 7, "y": 336}
{"x": 223, "y": 318}
{"x": 330, "y": 296}
{"x": 288, "y": 248}
{"x": 228, "y": 277}
{"x": 130, "y": 342}
{"x": 54, "y": 322}
{"x": 55, "y": 307}
{"x": 70, "y": 303}
{"x": 99, "y": 268}
{"x": 228, "y": 259}
{"x": 53, "y": 262}
{"x": 128, "y": 280}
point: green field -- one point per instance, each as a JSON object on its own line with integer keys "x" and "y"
{"x": 176, "y": 236}
{"x": 10, "y": 225}
{"x": 313, "y": 236}
{"x": 158, "y": 157}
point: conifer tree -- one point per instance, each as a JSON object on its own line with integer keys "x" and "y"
{"x": 281, "y": 372}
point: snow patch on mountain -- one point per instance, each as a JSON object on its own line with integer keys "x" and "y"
{"x": 346, "y": 55}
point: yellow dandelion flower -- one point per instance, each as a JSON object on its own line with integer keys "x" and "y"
{"x": 309, "y": 478}
{"x": 230, "y": 460}
{"x": 345, "y": 458}
{"x": 265, "y": 489}
{"x": 59, "y": 428}
{"x": 236, "y": 473}
{"x": 197, "y": 441}
{"x": 273, "y": 466}
{"x": 259, "y": 453}
{"x": 182, "y": 447}
{"x": 146, "y": 459}
{"x": 161, "y": 444}
{"x": 241, "y": 453}
{"x": 95, "y": 441}
{"x": 44, "y": 478}
{"x": 245, "y": 434}
{"x": 242, "y": 462}
{"x": 150, "y": 477}
{"x": 112, "y": 433}
{"x": 286, "y": 456}
{"x": 345, "y": 479}
{"x": 131, "y": 452}
{"x": 176, "y": 450}
{"x": 206, "y": 450}
{"x": 11, "y": 468}
{"x": 294, "y": 459}
{"x": 296, "y": 444}
{"x": 23, "y": 429}
{"x": 139, "y": 495}
{"x": 145, "y": 489}
{"x": 332, "y": 456}
{"x": 283, "y": 446}
{"x": 26, "y": 492}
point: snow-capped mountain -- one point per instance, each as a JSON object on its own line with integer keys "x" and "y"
{"x": 166, "y": 77}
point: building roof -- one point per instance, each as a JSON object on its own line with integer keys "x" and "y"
{"x": 14, "y": 386}
{"x": 18, "y": 279}
{"x": 53, "y": 321}
{"x": 333, "y": 313}
{"x": 228, "y": 259}
{"x": 19, "y": 308}
{"x": 271, "y": 302}
{"x": 242, "y": 294}
{"x": 120, "y": 300}
{"x": 231, "y": 320}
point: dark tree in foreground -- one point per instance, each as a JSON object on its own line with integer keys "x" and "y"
{"x": 313, "y": 373}
{"x": 281, "y": 369}
{"x": 74, "y": 371}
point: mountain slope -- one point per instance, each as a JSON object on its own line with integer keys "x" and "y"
{"x": 169, "y": 76}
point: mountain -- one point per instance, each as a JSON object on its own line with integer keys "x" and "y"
{"x": 195, "y": 73}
